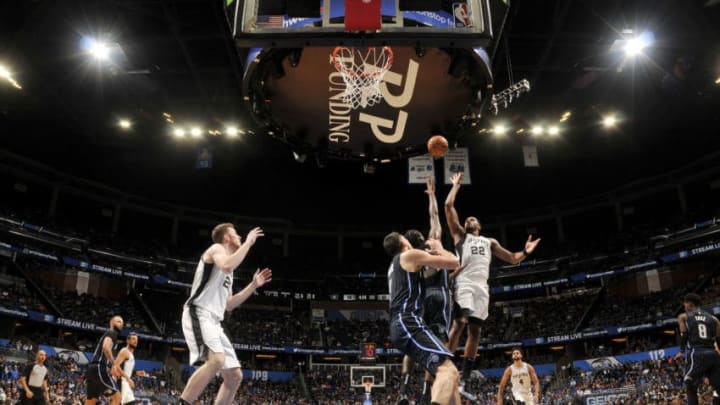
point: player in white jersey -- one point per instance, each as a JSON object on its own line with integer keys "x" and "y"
{"x": 210, "y": 296}
{"x": 125, "y": 360}
{"x": 472, "y": 294}
{"x": 520, "y": 375}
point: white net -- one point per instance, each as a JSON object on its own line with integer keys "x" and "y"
{"x": 362, "y": 70}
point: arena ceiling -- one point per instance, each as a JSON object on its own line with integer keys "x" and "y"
{"x": 178, "y": 57}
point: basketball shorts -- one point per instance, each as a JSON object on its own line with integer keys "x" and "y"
{"x": 523, "y": 398}
{"x": 438, "y": 311}
{"x": 473, "y": 298}
{"x": 703, "y": 362}
{"x": 128, "y": 396}
{"x": 100, "y": 382}
{"x": 204, "y": 334}
{"x": 410, "y": 335}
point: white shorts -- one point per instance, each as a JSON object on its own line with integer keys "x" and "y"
{"x": 127, "y": 393}
{"x": 474, "y": 297}
{"x": 203, "y": 333}
{"x": 527, "y": 399}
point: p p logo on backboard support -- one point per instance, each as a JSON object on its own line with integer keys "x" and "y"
{"x": 461, "y": 12}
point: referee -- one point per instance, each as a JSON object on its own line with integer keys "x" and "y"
{"x": 34, "y": 381}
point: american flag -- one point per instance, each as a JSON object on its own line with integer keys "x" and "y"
{"x": 270, "y": 21}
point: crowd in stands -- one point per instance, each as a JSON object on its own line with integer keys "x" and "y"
{"x": 619, "y": 310}
{"x": 267, "y": 327}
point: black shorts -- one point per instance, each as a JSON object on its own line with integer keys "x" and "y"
{"x": 410, "y": 335}
{"x": 37, "y": 399}
{"x": 438, "y": 309}
{"x": 703, "y": 362}
{"x": 100, "y": 382}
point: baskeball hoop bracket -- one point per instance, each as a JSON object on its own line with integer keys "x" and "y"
{"x": 362, "y": 70}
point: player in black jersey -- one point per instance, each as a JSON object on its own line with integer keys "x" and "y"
{"x": 408, "y": 331}
{"x": 102, "y": 373}
{"x": 437, "y": 301}
{"x": 699, "y": 333}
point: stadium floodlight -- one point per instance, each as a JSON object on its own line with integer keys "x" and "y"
{"x": 195, "y": 132}
{"x": 609, "y": 121}
{"x": 179, "y": 133}
{"x": 231, "y": 131}
{"x": 566, "y": 116}
{"x": 124, "y": 124}
{"x": 499, "y": 130}
{"x": 636, "y": 45}
{"x": 553, "y": 131}
{"x": 717, "y": 81}
{"x": 5, "y": 74}
{"x": 537, "y": 130}
{"x": 98, "y": 49}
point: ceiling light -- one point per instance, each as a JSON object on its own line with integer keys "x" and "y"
{"x": 635, "y": 46}
{"x": 609, "y": 121}
{"x": 125, "y": 124}
{"x": 499, "y": 130}
{"x": 553, "y": 131}
{"x": 98, "y": 49}
{"x": 566, "y": 115}
{"x": 717, "y": 81}
{"x": 195, "y": 132}
{"x": 231, "y": 131}
{"x": 5, "y": 74}
{"x": 179, "y": 132}
{"x": 537, "y": 130}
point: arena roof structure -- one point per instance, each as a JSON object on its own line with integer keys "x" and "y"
{"x": 105, "y": 89}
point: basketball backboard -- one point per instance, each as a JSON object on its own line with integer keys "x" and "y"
{"x": 299, "y": 23}
{"x": 362, "y": 374}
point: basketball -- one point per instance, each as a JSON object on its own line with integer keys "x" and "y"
{"x": 437, "y": 146}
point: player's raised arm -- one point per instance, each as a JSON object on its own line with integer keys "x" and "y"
{"x": 451, "y": 215}
{"x": 435, "y": 227}
{"x": 228, "y": 263}
{"x": 260, "y": 278}
{"x": 501, "y": 387}
{"x": 516, "y": 257}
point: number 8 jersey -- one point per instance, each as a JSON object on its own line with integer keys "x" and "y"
{"x": 701, "y": 329}
{"x": 475, "y": 255}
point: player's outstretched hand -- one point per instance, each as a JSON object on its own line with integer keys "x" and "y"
{"x": 531, "y": 244}
{"x": 262, "y": 277}
{"x": 253, "y": 235}
{"x": 430, "y": 182}
{"x": 679, "y": 356}
{"x": 456, "y": 178}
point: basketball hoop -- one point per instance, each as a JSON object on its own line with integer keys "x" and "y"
{"x": 362, "y": 70}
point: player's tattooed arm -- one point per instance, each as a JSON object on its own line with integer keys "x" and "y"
{"x": 516, "y": 257}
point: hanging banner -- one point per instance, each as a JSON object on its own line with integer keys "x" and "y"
{"x": 419, "y": 168}
{"x": 456, "y": 161}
